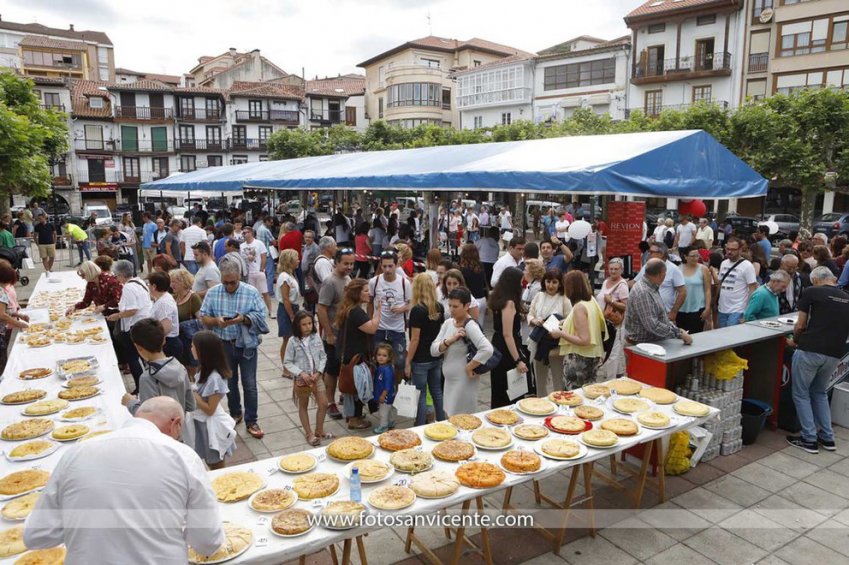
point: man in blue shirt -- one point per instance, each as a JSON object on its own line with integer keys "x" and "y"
{"x": 218, "y": 248}
{"x": 763, "y": 240}
{"x": 552, "y": 261}
{"x": 148, "y": 233}
{"x": 228, "y": 309}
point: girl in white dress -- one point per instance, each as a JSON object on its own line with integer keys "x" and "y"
{"x": 461, "y": 382}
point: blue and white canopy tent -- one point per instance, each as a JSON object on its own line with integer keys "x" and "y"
{"x": 675, "y": 164}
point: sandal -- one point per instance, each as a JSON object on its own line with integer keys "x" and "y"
{"x": 313, "y": 440}
{"x": 325, "y": 435}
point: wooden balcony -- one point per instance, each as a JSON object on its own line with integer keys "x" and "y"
{"x": 287, "y": 117}
{"x": 54, "y": 107}
{"x": 683, "y": 68}
{"x": 143, "y": 114}
{"x": 328, "y": 117}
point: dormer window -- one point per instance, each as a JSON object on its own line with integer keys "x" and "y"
{"x": 95, "y": 102}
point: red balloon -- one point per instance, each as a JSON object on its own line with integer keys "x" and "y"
{"x": 698, "y": 208}
{"x": 684, "y": 207}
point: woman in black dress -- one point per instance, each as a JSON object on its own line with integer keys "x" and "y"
{"x": 473, "y": 272}
{"x": 506, "y": 305}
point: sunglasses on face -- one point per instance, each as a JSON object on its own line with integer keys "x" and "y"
{"x": 230, "y": 283}
{"x": 387, "y": 254}
{"x": 346, "y": 251}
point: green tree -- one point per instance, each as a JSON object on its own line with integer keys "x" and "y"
{"x": 294, "y": 143}
{"x": 30, "y": 138}
{"x": 795, "y": 140}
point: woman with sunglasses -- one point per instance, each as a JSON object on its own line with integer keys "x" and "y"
{"x": 696, "y": 309}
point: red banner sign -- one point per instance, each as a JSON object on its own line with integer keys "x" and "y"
{"x": 98, "y": 187}
{"x": 625, "y": 231}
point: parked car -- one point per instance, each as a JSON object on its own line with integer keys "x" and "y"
{"x": 835, "y": 223}
{"x": 103, "y": 215}
{"x": 786, "y": 224}
{"x": 743, "y": 226}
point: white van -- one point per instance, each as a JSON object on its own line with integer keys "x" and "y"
{"x": 103, "y": 215}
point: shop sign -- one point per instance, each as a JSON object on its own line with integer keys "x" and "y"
{"x": 98, "y": 187}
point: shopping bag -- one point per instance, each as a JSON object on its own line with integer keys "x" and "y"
{"x": 407, "y": 400}
{"x": 517, "y": 384}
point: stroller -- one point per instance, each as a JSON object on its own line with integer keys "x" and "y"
{"x": 16, "y": 256}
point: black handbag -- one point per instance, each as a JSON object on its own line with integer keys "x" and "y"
{"x": 489, "y": 365}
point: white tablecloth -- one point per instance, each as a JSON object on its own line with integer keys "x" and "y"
{"x": 22, "y": 357}
{"x": 278, "y": 550}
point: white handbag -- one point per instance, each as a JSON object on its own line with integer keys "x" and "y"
{"x": 407, "y": 400}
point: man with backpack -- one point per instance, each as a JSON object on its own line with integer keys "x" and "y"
{"x": 318, "y": 270}
{"x": 393, "y": 291}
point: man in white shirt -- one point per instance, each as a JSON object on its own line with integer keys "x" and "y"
{"x": 737, "y": 283}
{"x": 685, "y": 234}
{"x": 514, "y": 255}
{"x": 505, "y": 220}
{"x": 394, "y": 292}
{"x": 473, "y": 226}
{"x": 561, "y": 228}
{"x": 255, "y": 255}
{"x": 705, "y": 233}
{"x": 208, "y": 274}
{"x": 188, "y": 238}
{"x": 134, "y": 495}
{"x": 324, "y": 262}
{"x": 134, "y": 305}
{"x": 672, "y": 290}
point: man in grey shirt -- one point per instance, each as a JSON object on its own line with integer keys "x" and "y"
{"x": 208, "y": 274}
{"x": 329, "y": 298}
{"x": 310, "y": 252}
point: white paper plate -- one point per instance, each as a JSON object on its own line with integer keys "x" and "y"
{"x": 673, "y": 421}
{"x": 547, "y": 433}
{"x": 66, "y": 385}
{"x": 369, "y": 456}
{"x": 508, "y": 446}
{"x": 251, "y": 502}
{"x": 347, "y": 473}
{"x": 50, "y": 374}
{"x": 618, "y": 441}
{"x": 543, "y": 464}
{"x": 652, "y": 349}
{"x": 314, "y": 465}
{"x": 6, "y": 497}
{"x": 791, "y": 321}
{"x": 582, "y": 451}
{"x": 235, "y": 555}
{"x": 47, "y": 452}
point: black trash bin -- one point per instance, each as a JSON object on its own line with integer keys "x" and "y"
{"x": 754, "y": 414}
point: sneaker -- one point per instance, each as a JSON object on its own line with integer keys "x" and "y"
{"x": 333, "y": 412}
{"x": 827, "y": 445}
{"x": 380, "y": 429}
{"x": 809, "y": 446}
{"x": 255, "y": 430}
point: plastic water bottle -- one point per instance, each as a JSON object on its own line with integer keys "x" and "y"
{"x": 356, "y": 488}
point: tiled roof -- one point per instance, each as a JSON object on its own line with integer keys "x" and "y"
{"x": 559, "y": 51}
{"x": 49, "y": 43}
{"x": 658, "y": 7}
{"x": 435, "y": 43}
{"x": 200, "y": 90}
{"x": 145, "y": 85}
{"x": 348, "y": 85}
{"x": 168, "y": 79}
{"x": 82, "y": 90}
{"x": 47, "y": 81}
{"x": 38, "y": 29}
{"x": 265, "y": 90}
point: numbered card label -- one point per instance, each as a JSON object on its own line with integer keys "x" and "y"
{"x": 401, "y": 483}
{"x": 321, "y": 457}
{"x": 261, "y": 521}
{"x": 272, "y": 470}
{"x": 261, "y": 541}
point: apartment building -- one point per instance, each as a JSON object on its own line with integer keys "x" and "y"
{"x": 93, "y": 160}
{"x": 683, "y": 52}
{"x": 336, "y": 101}
{"x": 255, "y": 111}
{"x": 200, "y": 120}
{"x": 584, "y": 72}
{"x": 412, "y": 83}
{"x": 222, "y": 71}
{"x": 496, "y": 93}
{"x": 795, "y": 44}
{"x": 38, "y": 50}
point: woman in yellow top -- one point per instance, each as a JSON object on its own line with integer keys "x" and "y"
{"x": 581, "y": 334}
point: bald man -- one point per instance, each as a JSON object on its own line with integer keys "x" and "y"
{"x": 135, "y": 495}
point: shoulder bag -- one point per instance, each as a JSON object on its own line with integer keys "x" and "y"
{"x": 489, "y": 365}
{"x": 611, "y": 314}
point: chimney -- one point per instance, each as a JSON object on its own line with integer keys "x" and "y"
{"x": 232, "y": 51}
{"x": 71, "y": 27}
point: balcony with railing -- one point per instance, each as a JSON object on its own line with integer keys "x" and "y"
{"x": 54, "y": 107}
{"x": 326, "y": 117}
{"x": 682, "y": 68}
{"x": 106, "y": 175}
{"x": 95, "y": 145}
{"x": 136, "y": 177}
{"x": 200, "y": 114}
{"x": 654, "y": 110}
{"x": 246, "y": 144}
{"x": 130, "y": 146}
{"x": 63, "y": 180}
{"x": 188, "y": 145}
{"x": 758, "y": 62}
{"x": 288, "y": 117}
{"x": 144, "y": 113}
